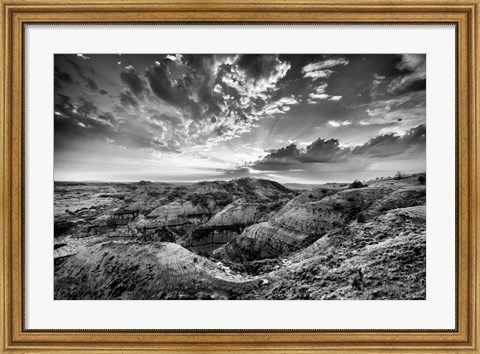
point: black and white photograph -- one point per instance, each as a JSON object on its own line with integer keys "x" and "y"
{"x": 239, "y": 176}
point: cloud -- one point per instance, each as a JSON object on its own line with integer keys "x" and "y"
{"x": 92, "y": 85}
{"x": 255, "y": 77}
{"x": 84, "y": 120}
{"x": 62, "y": 75}
{"x": 131, "y": 77}
{"x": 84, "y": 57}
{"x": 391, "y": 144}
{"x": 404, "y": 111}
{"x": 279, "y": 159}
{"x": 79, "y": 118}
{"x": 339, "y": 123}
{"x": 173, "y": 120}
{"x": 320, "y": 95}
{"x": 127, "y": 99}
{"x": 322, "y": 69}
{"x": 176, "y": 57}
{"x": 280, "y": 106}
{"x": 220, "y": 96}
{"x": 86, "y": 106}
{"x": 414, "y": 74}
{"x": 321, "y": 151}
{"x": 158, "y": 77}
{"x": 378, "y": 111}
{"x": 262, "y": 67}
{"x": 216, "y": 107}
{"x": 201, "y": 104}
{"x": 107, "y": 117}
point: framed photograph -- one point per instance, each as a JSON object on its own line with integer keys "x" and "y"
{"x": 270, "y": 157}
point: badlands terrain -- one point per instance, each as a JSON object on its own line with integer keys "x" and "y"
{"x": 241, "y": 239}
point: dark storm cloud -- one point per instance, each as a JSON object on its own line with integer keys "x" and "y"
{"x": 320, "y": 151}
{"x": 201, "y": 78}
{"x": 62, "y": 75}
{"x": 258, "y": 66}
{"x": 193, "y": 92}
{"x": 392, "y": 144}
{"x": 288, "y": 152}
{"x": 279, "y": 159}
{"x": 83, "y": 120}
{"x": 127, "y": 99}
{"x": 91, "y": 84}
{"x": 158, "y": 78}
{"x": 78, "y": 120}
{"x": 132, "y": 79}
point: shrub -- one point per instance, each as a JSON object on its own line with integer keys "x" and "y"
{"x": 361, "y": 218}
{"x": 357, "y": 184}
{"x": 154, "y": 193}
{"x": 422, "y": 179}
{"x": 337, "y": 207}
{"x": 398, "y": 175}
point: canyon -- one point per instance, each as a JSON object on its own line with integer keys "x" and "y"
{"x": 247, "y": 239}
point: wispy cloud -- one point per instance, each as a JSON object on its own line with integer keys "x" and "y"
{"x": 339, "y": 123}
{"x": 320, "y": 95}
{"x": 414, "y": 66}
{"x": 322, "y": 69}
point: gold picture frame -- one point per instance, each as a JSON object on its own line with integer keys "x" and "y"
{"x": 464, "y": 14}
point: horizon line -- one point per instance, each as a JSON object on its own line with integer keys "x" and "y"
{"x": 223, "y": 180}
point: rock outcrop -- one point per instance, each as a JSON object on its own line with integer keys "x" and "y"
{"x": 260, "y": 241}
{"x": 154, "y": 270}
{"x": 383, "y": 258}
{"x": 311, "y": 215}
{"x": 242, "y": 213}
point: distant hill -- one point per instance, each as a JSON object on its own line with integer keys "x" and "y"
{"x": 309, "y": 186}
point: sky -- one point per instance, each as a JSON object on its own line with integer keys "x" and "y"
{"x": 293, "y": 118}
